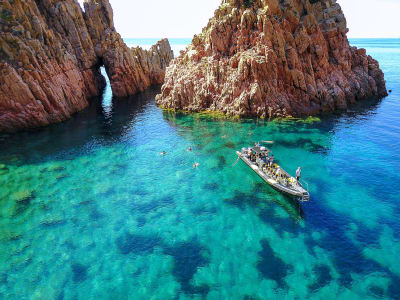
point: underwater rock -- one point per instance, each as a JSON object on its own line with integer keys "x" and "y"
{"x": 270, "y": 58}
{"x": 79, "y": 272}
{"x": 6, "y": 235}
{"x": 137, "y": 244}
{"x": 53, "y": 221}
{"x": 50, "y": 58}
{"x": 55, "y": 168}
{"x": 271, "y": 266}
{"x": 188, "y": 258}
{"x": 23, "y": 196}
{"x": 3, "y": 169}
{"x": 22, "y": 200}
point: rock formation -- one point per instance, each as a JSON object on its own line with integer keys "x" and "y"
{"x": 270, "y": 58}
{"x": 50, "y": 55}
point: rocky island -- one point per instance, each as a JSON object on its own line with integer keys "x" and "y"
{"x": 51, "y": 52}
{"x": 271, "y": 58}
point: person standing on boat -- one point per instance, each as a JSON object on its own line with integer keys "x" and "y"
{"x": 250, "y": 154}
{"x": 298, "y": 174}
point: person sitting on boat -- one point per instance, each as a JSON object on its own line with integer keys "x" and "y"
{"x": 278, "y": 172}
{"x": 271, "y": 160}
{"x": 249, "y": 153}
{"x": 298, "y": 174}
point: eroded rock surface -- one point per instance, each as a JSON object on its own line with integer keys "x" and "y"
{"x": 272, "y": 58}
{"x": 50, "y": 55}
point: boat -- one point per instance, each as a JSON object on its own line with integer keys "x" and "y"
{"x": 274, "y": 175}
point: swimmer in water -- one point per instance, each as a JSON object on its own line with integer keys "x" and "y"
{"x": 189, "y": 149}
{"x": 163, "y": 153}
{"x": 224, "y": 136}
{"x": 195, "y": 165}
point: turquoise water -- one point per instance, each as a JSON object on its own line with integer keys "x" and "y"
{"x": 90, "y": 209}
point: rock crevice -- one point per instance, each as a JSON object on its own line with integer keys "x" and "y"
{"x": 271, "y": 58}
{"x": 50, "y": 55}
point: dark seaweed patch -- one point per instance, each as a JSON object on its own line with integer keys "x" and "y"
{"x": 188, "y": 258}
{"x": 247, "y": 297}
{"x": 304, "y": 143}
{"x": 140, "y": 192}
{"x": 272, "y": 267}
{"x": 53, "y": 222}
{"x": 324, "y": 277}
{"x": 60, "y": 296}
{"x": 141, "y": 221}
{"x": 394, "y": 287}
{"x": 221, "y": 161}
{"x": 229, "y": 145}
{"x": 212, "y": 186}
{"x": 347, "y": 256}
{"x": 377, "y": 291}
{"x": 280, "y": 225}
{"x": 137, "y": 244}
{"x": 166, "y": 201}
{"x": 4, "y": 278}
{"x": 203, "y": 210}
{"x": 79, "y": 272}
{"x": 153, "y": 204}
{"x": 95, "y": 214}
{"x": 61, "y": 177}
{"x": 146, "y": 206}
{"x": 23, "y": 203}
{"x": 241, "y": 200}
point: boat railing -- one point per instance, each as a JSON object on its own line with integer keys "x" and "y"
{"x": 308, "y": 191}
{"x": 305, "y": 197}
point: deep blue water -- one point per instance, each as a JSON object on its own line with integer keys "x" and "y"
{"x": 90, "y": 209}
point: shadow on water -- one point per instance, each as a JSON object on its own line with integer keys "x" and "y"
{"x": 95, "y": 125}
{"x": 260, "y": 198}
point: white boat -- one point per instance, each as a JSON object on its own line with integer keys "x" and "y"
{"x": 274, "y": 175}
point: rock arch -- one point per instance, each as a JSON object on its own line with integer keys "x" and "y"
{"x": 50, "y": 57}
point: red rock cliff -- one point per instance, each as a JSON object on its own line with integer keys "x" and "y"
{"x": 50, "y": 54}
{"x": 272, "y": 58}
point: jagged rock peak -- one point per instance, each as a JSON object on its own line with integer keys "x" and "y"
{"x": 50, "y": 55}
{"x": 271, "y": 58}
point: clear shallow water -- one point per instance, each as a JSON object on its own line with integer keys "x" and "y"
{"x": 90, "y": 209}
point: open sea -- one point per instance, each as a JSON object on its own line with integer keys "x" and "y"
{"x": 89, "y": 209}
